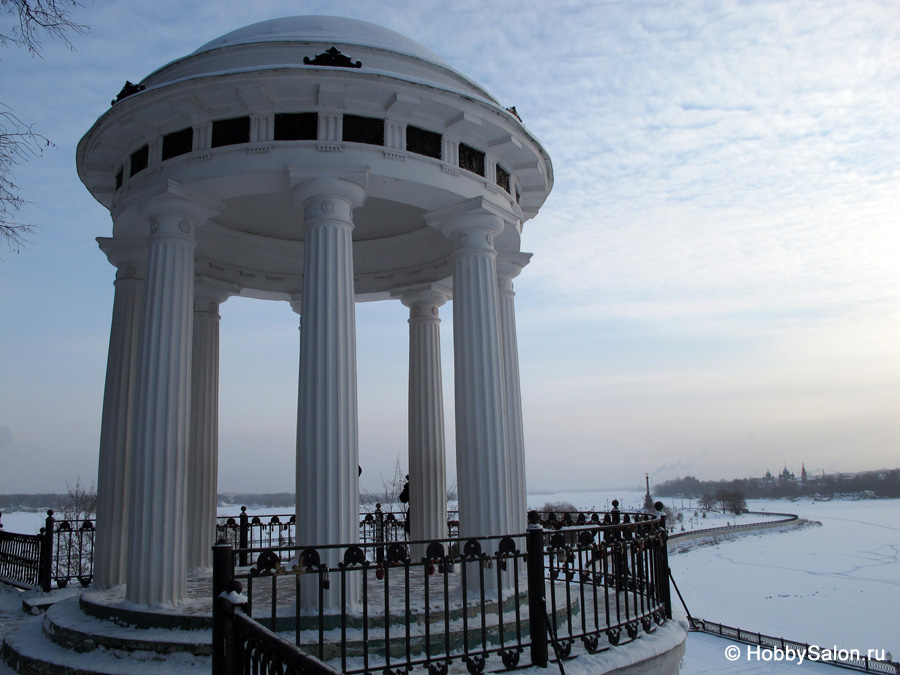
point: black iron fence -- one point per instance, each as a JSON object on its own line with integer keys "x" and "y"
{"x": 496, "y": 601}
{"x": 63, "y": 551}
{"x": 20, "y": 558}
{"x": 278, "y": 531}
{"x": 245, "y": 646}
{"x": 791, "y": 650}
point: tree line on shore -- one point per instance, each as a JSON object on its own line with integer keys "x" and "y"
{"x": 884, "y": 483}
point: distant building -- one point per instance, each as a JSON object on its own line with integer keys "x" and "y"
{"x": 648, "y": 499}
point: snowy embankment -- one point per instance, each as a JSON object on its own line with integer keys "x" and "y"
{"x": 837, "y": 584}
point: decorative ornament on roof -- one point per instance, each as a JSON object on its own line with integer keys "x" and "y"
{"x": 512, "y": 110}
{"x": 332, "y": 58}
{"x": 127, "y": 91}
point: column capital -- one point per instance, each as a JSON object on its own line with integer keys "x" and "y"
{"x": 329, "y": 200}
{"x": 128, "y": 256}
{"x": 296, "y": 303}
{"x": 420, "y": 296}
{"x": 170, "y": 206}
{"x": 210, "y": 293}
{"x": 461, "y": 221}
{"x": 308, "y": 182}
{"x": 510, "y": 264}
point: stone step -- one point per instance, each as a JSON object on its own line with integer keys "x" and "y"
{"x": 37, "y": 602}
{"x": 67, "y": 625}
{"x": 28, "y": 650}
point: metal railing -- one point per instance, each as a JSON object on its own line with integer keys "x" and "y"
{"x": 20, "y": 558}
{"x": 481, "y": 600}
{"x": 245, "y": 646}
{"x": 278, "y": 531}
{"x": 63, "y": 551}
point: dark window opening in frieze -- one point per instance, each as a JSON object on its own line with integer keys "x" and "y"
{"x": 120, "y": 177}
{"x": 503, "y": 178}
{"x": 471, "y": 159}
{"x": 423, "y": 142}
{"x": 140, "y": 158}
{"x": 367, "y": 130}
{"x": 230, "y": 132}
{"x": 296, "y": 126}
{"x": 177, "y": 143}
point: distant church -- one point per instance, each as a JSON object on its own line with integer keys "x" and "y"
{"x": 786, "y": 475}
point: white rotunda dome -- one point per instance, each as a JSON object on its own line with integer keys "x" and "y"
{"x": 295, "y": 41}
{"x": 324, "y": 29}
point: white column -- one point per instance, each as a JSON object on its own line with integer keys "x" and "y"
{"x": 156, "y": 570}
{"x": 110, "y": 554}
{"x": 203, "y": 451}
{"x": 509, "y": 265}
{"x": 481, "y": 444}
{"x": 327, "y": 437}
{"x": 427, "y": 458}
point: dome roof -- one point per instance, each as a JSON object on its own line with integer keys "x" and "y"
{"x": 273, "y": 44}
{"x": 324, "y": 29}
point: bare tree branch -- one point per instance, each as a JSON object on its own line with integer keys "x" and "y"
{"x": 18, "y": 141}
{"x": 40, "y": 18}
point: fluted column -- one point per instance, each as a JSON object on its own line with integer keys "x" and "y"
{"x": 156, "y": 571}
{"x": 509, "y": 265}
{"x": 327, "y": 437}
{"x": 427, "y": 457}
{"x": 110, "y": 555}
{"x": 481, "y": 444}
{"x": 203, "y": 451}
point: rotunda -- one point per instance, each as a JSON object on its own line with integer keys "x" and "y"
{"x": 318, "y": 161}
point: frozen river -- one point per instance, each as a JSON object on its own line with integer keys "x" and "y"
{"x": 834, "y": 584}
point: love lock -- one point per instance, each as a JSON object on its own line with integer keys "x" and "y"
{"x": 561, "y": 557}
{"x": 487, "y": 563}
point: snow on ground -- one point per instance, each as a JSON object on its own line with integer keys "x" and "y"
{"x": 834, "y": 584}
{"x": 706, "y": 655}
{"x": 837, "y": 584}
{"x": 11, "y": 615}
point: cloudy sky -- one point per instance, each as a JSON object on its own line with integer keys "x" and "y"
{"x": 715, "y": 288}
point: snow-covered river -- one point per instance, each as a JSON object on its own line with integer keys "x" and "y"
{"x": 834, "y": 584}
